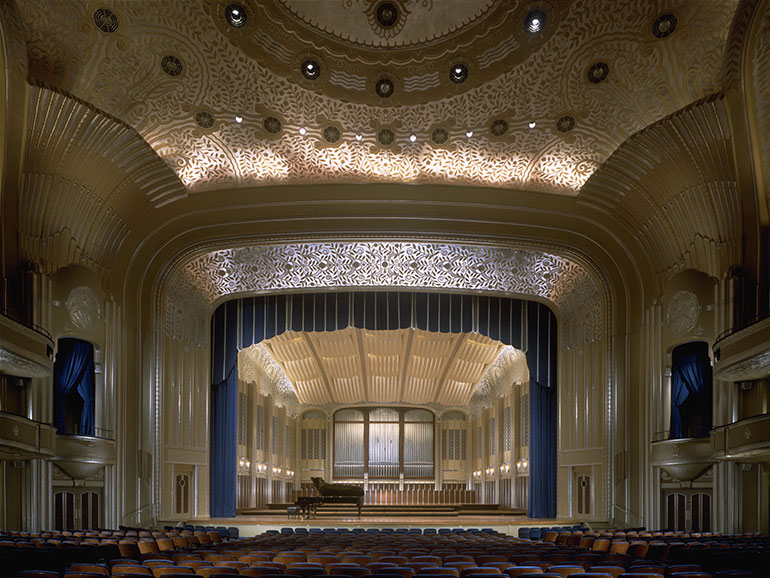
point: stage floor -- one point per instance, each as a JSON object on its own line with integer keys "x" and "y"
{"x": 252, "y": 525}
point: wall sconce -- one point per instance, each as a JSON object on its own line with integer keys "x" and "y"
{"x": 476, "y": 473}
{"x": 277, "y": 471}
{"x": 290, "y": 473}
{"x": 505, "y": 468}
{"x": 522, "y": 465}
{"x": 244, "y": 463}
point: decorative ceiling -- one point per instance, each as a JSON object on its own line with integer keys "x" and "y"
{"x": 358, "y": 91}
{"x": 409, "y": 365}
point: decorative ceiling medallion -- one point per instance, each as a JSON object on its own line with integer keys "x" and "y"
{"x": 272, "y": 125}
{"x": 598, "y": 72}
{"x": 664, "y": 26}
{"x": 565, "y": 123}
{"x": 421, "y": 45}
{"x": 236, "y": 16}
{"x": 331, "y": 134}
{"x": 106, "y": 20}
{"x": 384, "y": 87}
{"x": 498, "y": 127}
{"x": 386, "y": 19}
{"x": 171, "y": 65}
{"x": 682, "y": 313}
{"x": 386, "y": 137}
{"x": 458, "y": 73}
{"x": 310, "y": 69}
{"x": 387, "y": 14}
{"x": 204, "y": 119}
{"x": 439, "y": 136}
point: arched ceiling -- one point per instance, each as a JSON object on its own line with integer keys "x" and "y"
{"x": 412, "y": 366}
{"x": 178, "y": 74}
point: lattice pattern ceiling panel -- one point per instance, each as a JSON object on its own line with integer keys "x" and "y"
{"x": 399, "y": 366}
{"x": 458, "y": 92}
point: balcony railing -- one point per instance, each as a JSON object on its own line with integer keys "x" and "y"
{"x": 690, "y": 432}
{"x": 739, "y": 326}
{"x": 74, "y": 429}
{"x": 28, "y": 324}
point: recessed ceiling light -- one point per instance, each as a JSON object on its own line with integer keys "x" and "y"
{"x": 359, "y": 137}
{"x": 239, "y": 119}
{"x": 458, "y": 73}
{"x": 310, "y": 69}
{"x": 469, "y": 133}
{"x": 535, "y": 21}
{"x": 412, "y": 137}
{"x": 532, "y": 124}
{"x": 302, "y": 130}
{"x": 235, "y": 14}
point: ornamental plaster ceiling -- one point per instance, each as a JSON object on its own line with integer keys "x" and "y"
{"x": 355, "y": 365}
{"x": 177, "y": 74}
{"x": 200, "y": 281}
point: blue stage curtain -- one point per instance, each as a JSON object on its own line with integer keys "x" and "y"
{"x": 224, "y": 424}
{"x": 691, "y": 386}
{"x": 74, "y": 370}
{"x": 542, "y": 451}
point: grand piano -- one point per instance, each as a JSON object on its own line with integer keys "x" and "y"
{"x": 329, "y": 494}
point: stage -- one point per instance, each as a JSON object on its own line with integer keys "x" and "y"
{"x": 253, "y": 524}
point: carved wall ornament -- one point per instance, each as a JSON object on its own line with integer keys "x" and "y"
{"x": 682, "y": 313}
{"x": 83, "y": 308}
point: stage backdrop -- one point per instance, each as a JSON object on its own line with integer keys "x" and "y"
{"x": 526, "y": 325}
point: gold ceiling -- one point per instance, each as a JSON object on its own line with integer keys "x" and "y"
{"x": 409, "y": 365}
{"x": 179, "y": 74}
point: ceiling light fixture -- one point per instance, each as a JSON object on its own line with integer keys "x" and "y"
{"x": 535, "y": 21}
{"x": 235, "y": 14}
{"x": 302, "y": 131}
{"x": 469, "y": 133}
{"x": 238, "y": 119}
{"x": 532, "y": 124}
{"x": 359, "y": 137}
{"x": 412, "y": 137}
{"x": 311, "y": 70}
{"x": 458, "y": 73}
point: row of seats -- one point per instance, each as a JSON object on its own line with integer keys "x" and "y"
{"x": 355, "y": 554}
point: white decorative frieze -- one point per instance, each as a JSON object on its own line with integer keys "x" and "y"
{"x": 522, "y": 272}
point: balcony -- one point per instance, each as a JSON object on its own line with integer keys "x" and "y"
{"x": 744, "y": 354}
{"x": 80, "y": 456}
{"x": 26, "y": 350}
{"x": 22, "y": 438}
{"x": 684, "y": 459}
{"x": 747, "y": 439}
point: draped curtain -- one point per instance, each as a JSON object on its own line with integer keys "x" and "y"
{"x": 542, "y": 451}
{"x": 224, "y": 429}
{"x": 691, "y": 389}
{"x": 74, "y": 371}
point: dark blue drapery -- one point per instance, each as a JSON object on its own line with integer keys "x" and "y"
{"x": 691, "y": 390}
{"x": 224, "y": 424}
{"x": 541, "y": 359}
{"x": 526, "y": 325}
{"x": 74, "y": 370}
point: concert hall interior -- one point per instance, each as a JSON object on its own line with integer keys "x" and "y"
{"x": 495, "y": 263}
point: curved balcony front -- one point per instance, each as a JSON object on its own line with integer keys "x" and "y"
{"x": 744, "y": 440}
{"x": 22, "y": 438}
{"x": 81, "y": 457}
{"x": 684, "y": 459}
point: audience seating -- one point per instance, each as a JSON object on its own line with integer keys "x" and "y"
{"x": 207, "y": 552}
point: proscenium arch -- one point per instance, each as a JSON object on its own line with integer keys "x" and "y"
{"x": 583, "y": 306}
{"x": 529, "y": 326}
